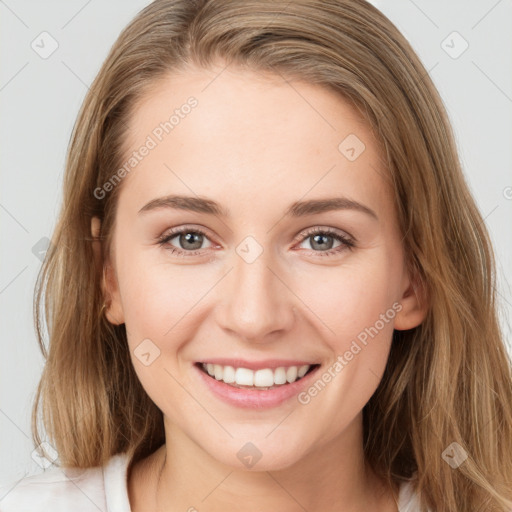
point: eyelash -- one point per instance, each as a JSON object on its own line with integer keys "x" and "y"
{"x": 346, "y": 242}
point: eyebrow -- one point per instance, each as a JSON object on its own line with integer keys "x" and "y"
{"x": 297, "y": 209}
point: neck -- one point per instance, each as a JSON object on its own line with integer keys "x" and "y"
{"x": 181, "y": 476}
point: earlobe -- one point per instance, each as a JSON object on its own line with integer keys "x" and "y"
{"x": 108, "y": 282}
{"x": 113, "y": 308}
{"x": 415, "y": 305}
{"x": 96, "y": 243}
{"x": 113, "y": 311}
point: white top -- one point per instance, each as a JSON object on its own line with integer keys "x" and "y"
{"x": 98, "y": 489}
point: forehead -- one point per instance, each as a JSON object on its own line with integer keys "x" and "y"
{"x": 238, "y": 136}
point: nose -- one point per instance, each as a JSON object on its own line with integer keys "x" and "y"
{"x": 256, "y": 303}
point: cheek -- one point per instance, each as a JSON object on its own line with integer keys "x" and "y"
{"x": 354, "y": 306}
{"x": 156, "y": 295}
{"x": 158, "y": 299}
{"x": 347, "y": 301}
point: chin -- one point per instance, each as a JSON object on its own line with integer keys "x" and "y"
{"x": 258, "y": 454}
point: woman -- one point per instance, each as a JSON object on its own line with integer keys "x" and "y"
{"x": 329, "y": 341}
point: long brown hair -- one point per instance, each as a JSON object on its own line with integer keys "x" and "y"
{"x": 447, "y": 380}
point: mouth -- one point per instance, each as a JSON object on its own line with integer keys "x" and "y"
{"x": 262, "y": 379}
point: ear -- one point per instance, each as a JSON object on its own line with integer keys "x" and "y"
{"x": 414, "y": 302}
{"x": 109, "y": 287}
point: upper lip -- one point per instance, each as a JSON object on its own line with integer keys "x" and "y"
{"x": 256, "y": 365}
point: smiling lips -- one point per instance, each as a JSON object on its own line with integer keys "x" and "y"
{"x": 238, "y": 375}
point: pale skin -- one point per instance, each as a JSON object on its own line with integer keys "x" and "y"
{"x": 256, "y": 144}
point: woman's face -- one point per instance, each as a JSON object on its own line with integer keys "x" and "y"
{"x": 290, "y": 256}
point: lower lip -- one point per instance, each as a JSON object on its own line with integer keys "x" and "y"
{"x": 254, "y": 398}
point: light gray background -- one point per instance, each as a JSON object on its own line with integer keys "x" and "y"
{"x": 40, "y": 99}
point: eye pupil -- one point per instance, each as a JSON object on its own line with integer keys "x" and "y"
{"x": 196, "y": 239}
{"x": 321, "y": 245}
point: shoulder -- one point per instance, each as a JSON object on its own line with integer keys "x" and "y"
{"x": 102, "y": 488}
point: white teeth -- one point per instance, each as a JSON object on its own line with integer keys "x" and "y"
{"x": 217, "y": 371}
{"x": 229, "y": 374}
{"x": 302, "y": 370}
{"x": 291, "y": 374}
{"x": 280, "y": 375}
{"x": 264, "y": 378}
{"x": 244, "y": 377}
